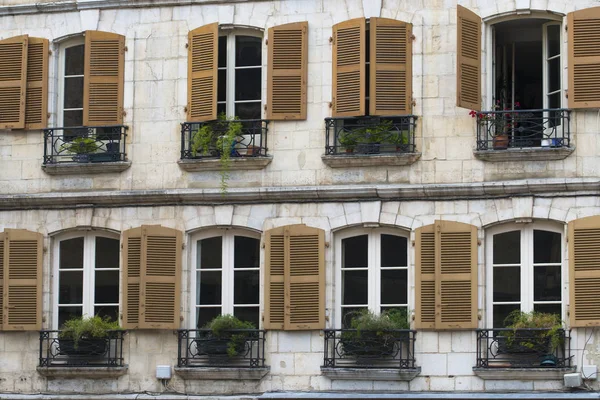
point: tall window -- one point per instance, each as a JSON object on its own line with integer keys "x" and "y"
{"x": 226, "y": 276}
{"x": 372, "y": 268}
{"x": 524, "y": 270}
{"x": 71, "y": 72}
{"x": 87, "y": 276}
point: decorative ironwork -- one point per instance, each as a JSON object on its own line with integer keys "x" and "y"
{"x": 370, "y": 135}
{"x": 500, "y": 130}
{"x": 523, "y": 348}
{"x": 252, "y": 142}
{"x": 85, "y": 144}
{"x": 104, "y": 352}
{"x": 393, "y": 349}
{"x": 240, "y": 348}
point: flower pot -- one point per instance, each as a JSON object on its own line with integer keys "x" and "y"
{"x": 500, "y": 142}
{"x": 85, "y": 347}
{"x": 369, "y": 345}
{"x": 218, "y": 347}
{"x": 368, "y": 148}
{"x": 81, "y": 158}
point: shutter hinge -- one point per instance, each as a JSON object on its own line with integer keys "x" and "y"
{"x": 414, "y": 103}
{"x": 125, "y": 49}
{"x": 330, "y": 39}
{"x": 181, "y": 318}
{"x": 413, "y": 37}
{"x": 327, "y": 244}
{"x": 185, "y": 109}
{"x": 413, "y": 243}
{"x": 182, "y": 245}
{"x": 566, "y": 93}
{"x": 478, "y": 242}
{"x": 265, "y": 107}
{"x": 49, "y": 52}
{"x": 123, "y": 113}
{"x": 187, "y": 45}
{"x": 267, "y": 42}
{"x": 263, "y": 245}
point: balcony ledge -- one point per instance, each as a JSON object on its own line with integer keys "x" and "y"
{"x": 221, "y": 373}
{"x": 522, "y": 373}
{"x": 525, "y": 154}
{"x": 86, "y": 168}
{"x": 370, "y": 160}
{"x": 214, "y": 164}
{"x": 82, "y": 372}
{"x": 368, "y": 374}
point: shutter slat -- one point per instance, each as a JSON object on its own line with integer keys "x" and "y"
{"x": 3, "y": 244}
{"x": 13, "y": 81}
{"x": 584, "y": 58}
{"x": 274, "y": 284}
{"x": 425, "y": 277}
{"x": 36, "y": 109}
{"x": 468, "y": 91}
{"x": 349, "y": 68}
{"x": 202, "y": 73}
{"x": 130, "y": 276}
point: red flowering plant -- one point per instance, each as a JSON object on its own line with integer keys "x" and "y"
{"x": 501, "y": 121}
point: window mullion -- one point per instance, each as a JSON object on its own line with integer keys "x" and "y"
{"x": 227, "y": 274}
{"x": 230, "y": 106}
{"x": 88, "y": 275}
{"x": 373, "y": 278}
{"x": 527, "y": 269}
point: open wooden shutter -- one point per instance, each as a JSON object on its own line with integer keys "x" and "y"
{"x": 2, "y": 252}
{"x": 203, "y": 53}
{"x": 390, "y": 92}
{"x": 36, "y": 109}
{"x": 349, "y": 68}
{"x": 274, "y": 286}
{"x": 584, "y": 271}
{"x": 22, "y": 280}
{"x": 425, "y": 277}
{"x": 103, "y": 78}
{"x": 287, "y": 71}
{"x": 468, "y": 90}
{"x": 13, "y": 82}
{"x": 584, "y": 58}
{"x": 130, "y": 276}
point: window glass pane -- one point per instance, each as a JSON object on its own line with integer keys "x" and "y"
{"x": 106, "y": 287}
{"x": 247, "y": 84}
{"x": 74, "y": 60}
{"x": 209, "y": 252}
{"x": 507, "y": 248}
{"x": 546, "y": 247}
{"x": 73, "y": 97}
{"x": 222, "y": 51}
{"x": 547, "y": 308}
{"x": 71, "y": 253}
{"x": 249, "y": 314}
{"x": 222, "y": 85}
{"x": 205, "y": 314}
{"x": 107, "y": 253}
{"x": 501, "y": 311}
{"x": 221, "y": 108}
{"x": 554, "y": 74}
{"x": 507, "y": 284}
{"x": 355, "y": 252}
{"x": 553, "y": 40}
{"x": 67, "y": 313}
{"x": 348, "y": 313}
{"x": 248, "y": 110}
{"x": 247, "y": 51}
{"x": 393, "y": 251}
{"x": 246, "y": 252}
{"x": 354, "y": 289}
{"x": 394, "y": 286}
{"x": 107, "y": 311}
{"x": 70, "y": 287}
{"x": 402, "y": 309}
{"x": 245, "y": 287}
{"x": 72, "y": 118}
{"x": 546, "y": 283}
{"x": 209, "y": 287}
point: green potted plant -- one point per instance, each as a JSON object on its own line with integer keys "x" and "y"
{"x": 399, "y": 139}
{"x": 81, "y": 147}
{"x": 349, "y": 140}
{"x": 370, "y": 136}
{"x": 222, "y": 338}
{"x": 85, "y": 336}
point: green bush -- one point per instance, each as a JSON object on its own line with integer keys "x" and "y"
{"x": 221, "y": 327}
{"x": 523, "y": 320}
{"x": 83, "y": 327}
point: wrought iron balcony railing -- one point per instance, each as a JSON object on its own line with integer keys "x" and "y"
{"x": 391, "y": 349}
{"x": 370, "y": 135}
{"x": 58, "y": 352}
{"x": 200, "y": 140}
{"x": 239, "y": 348}
{"x": 500, "y": 130}
{"x": 85, "y": 144}
{"x": 523, "y": 348}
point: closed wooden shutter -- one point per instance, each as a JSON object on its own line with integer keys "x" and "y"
{"x": 36, "y": 110}
{"x": 274, "y": 285}
{"x": 584, "y": 271}
{"x": 22, "y": 280}
{"x": 13, "y": 82}
{"x": 425, "y": 277}
{"x": 103, "y": 78}
{"x": 203, "y": 54}
{"x": 584, "y": 58}
{"x": 349, "y": 68}
{"x": 468, "y": 90}
{"x": 390, "y": 67}
{"x": 130, "y": 276}
{"x": 2, "y": 236}
{"x": 287, "y": 71}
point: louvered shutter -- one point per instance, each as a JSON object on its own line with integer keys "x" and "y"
{"x": 36, "y": 109}
{"x": 349, "y": 68}
{"x": 287, "y": 71}
{"x": 425, "y": 277}
{"x": 203, "y": 54}
{"x": 1, "y": 279}
{"x": 130, "y": 276}
{"x": 22, "y": 280}
{"x": 584, "y": 271}
{"x": 584, "y": 58}
{"x": 103, "y": 78}
{"x": 468, "y": 91}
{"x": 13, "y": 82}
{"x": 274, "y": 285}
{"x": 390, "y": 67}
{"x": 456, "y": 275}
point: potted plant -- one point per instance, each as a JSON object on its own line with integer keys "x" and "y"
{"x": 371, "y": 136}
{"x": 222, "y": 338}
{"x": 400, "y": 140}
{"x": 85, "y": 336}
{"x": 81, "y": 147}
{"x": 349, "y": 140}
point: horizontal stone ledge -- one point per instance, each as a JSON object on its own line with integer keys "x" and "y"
{"x": 370, "y": 160}
{"x": 222, "y": 373}
{"x": 86, "y": 168}
{"x": 214, "y": 164}
{"x": 525, "y": 154}
{"x": 371, "y": 374}
{"x": 522, "y": 374}
{"x": 82, "y": 372}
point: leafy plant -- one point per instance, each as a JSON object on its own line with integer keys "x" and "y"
{"x": 221, "y": 327}
{"x": 80, "y": 145}
{"x": 348, "y": 139}
{"x": 81, "y": 328}
{"x": 524, "y": 320}
{"x": 374, "y": 133}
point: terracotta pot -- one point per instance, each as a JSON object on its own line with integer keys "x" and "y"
{"x": 500, "y": 142}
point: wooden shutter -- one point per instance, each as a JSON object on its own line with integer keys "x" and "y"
{"x": 36, "y": 105}
{"x": 349, "y": 68}
{"x": 2, "y": 241}
{"x": 584, "y": 58}
{"x": 584, "y": 271}
{"x": 203, "y": 54}
{"x": 390, "y": 92}
{"x": 13, "y": 82}
{"x": 103, "y": 78}
{"x": 274, "y": 285}
{"x": 468, "y": 90}
{"x": 287, "y": 71}
{"x": 130, "y": 276}
{"x": 22, "y": 280}
{"x": 425, "y": 277}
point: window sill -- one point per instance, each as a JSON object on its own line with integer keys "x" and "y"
{"x": 370, "y": 160}
{"x": 86, "y": 168}
{"x": 367, "y": 374}
{"x": 522, "y": 373}
{"x": 83, "y": 372}
{"x": 525, "y": 154}
{"x": 214, "y": 164}
{"x": 222, "y": 373}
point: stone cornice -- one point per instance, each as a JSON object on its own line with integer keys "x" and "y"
{"x": 396, "y": 192}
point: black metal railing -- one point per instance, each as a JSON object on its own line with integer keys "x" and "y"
{"x": 85, "y": 144}
{"x": 197, "y": 143}
{"x": 240, "y": 348}
{"x": 393, "y": 349}
{"x": 103, "y": 352}
{"x": 500, "y": 130}
{"x": 523, "y": 348}
{"x": 370, "y": 135}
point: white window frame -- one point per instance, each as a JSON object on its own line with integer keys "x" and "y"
{"x": 526, "y": 265}
{"x": 227, "y": 271}
{"x": 374, "y": 268}
{"x": 60, "y": 103}
{"x": 89, "y": 269}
